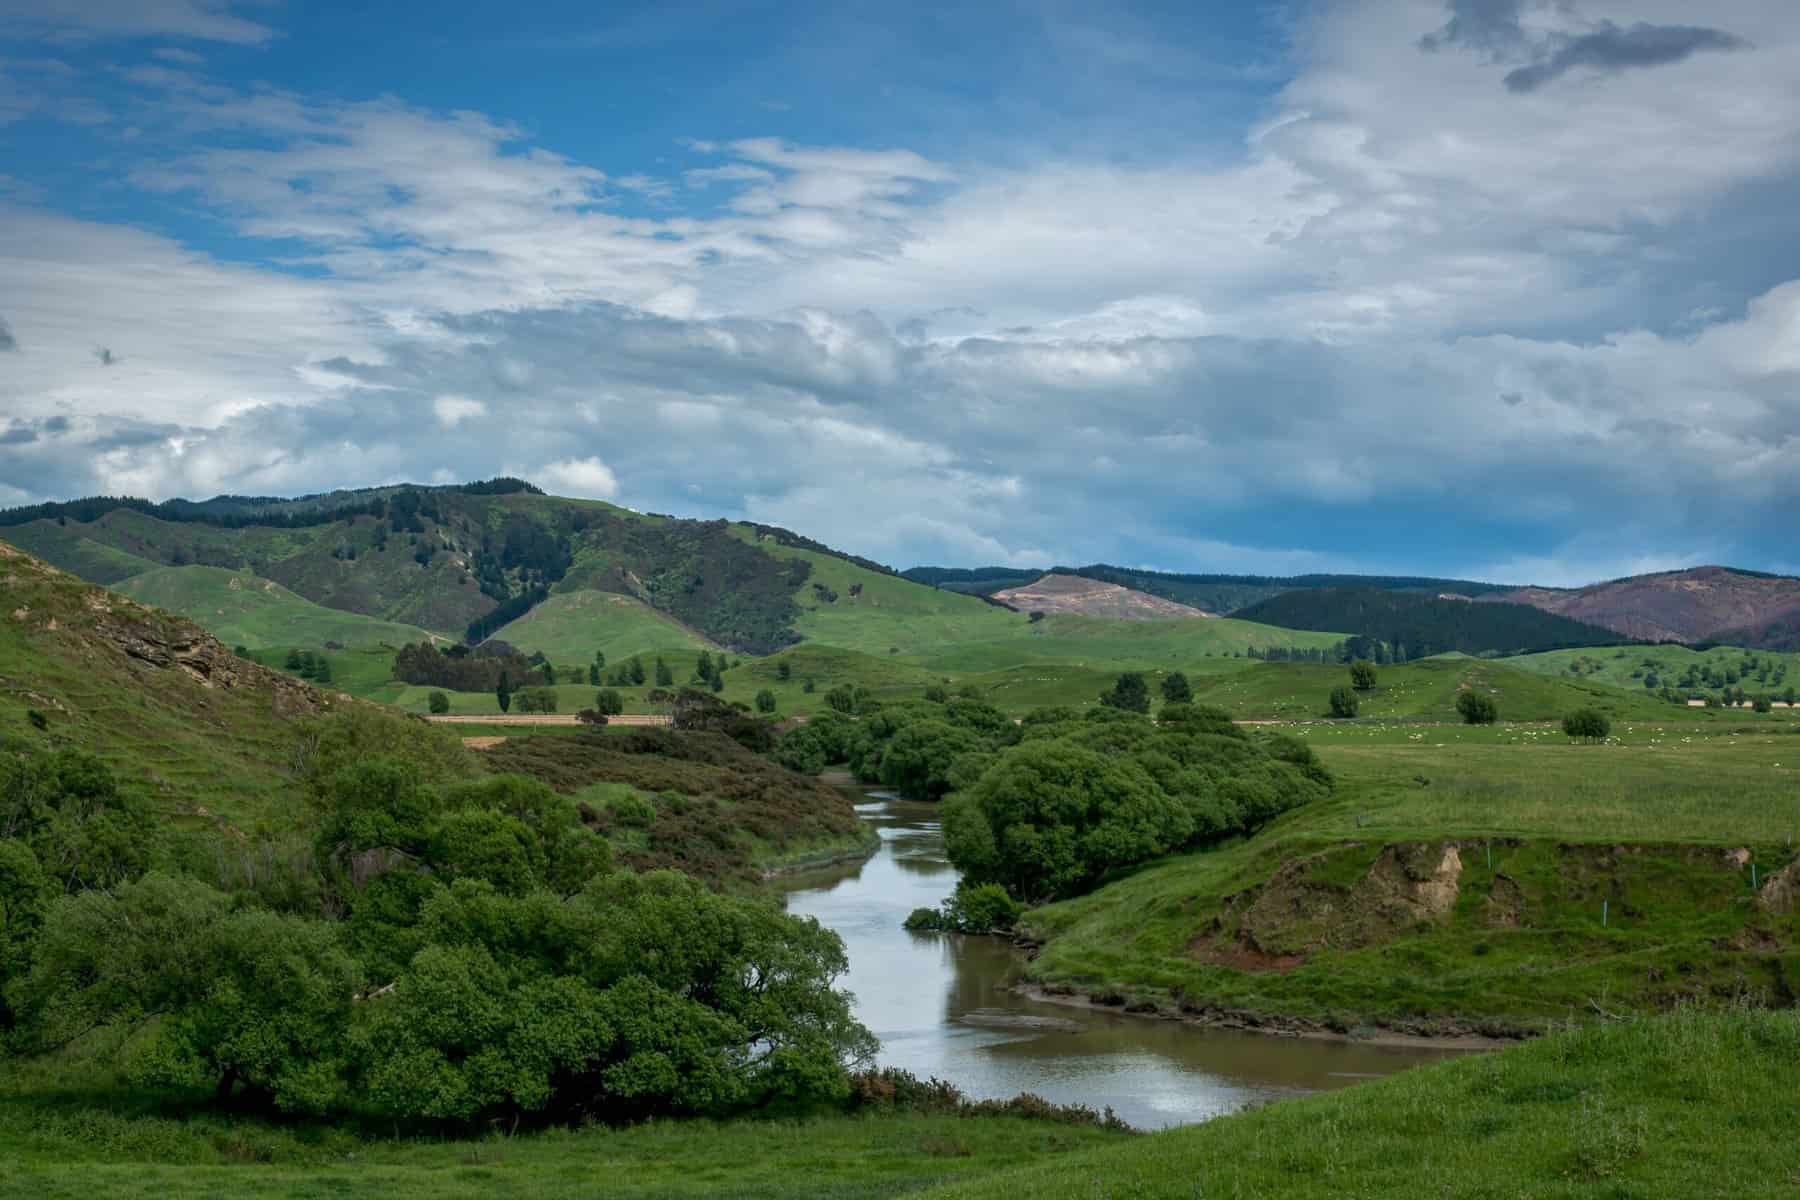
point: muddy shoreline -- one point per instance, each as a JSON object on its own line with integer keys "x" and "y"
{"x": 1451, "y": 1036}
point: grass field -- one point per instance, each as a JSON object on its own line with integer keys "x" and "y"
{"x": 58, "y": 1139}
{"x": 570, "y": 626}
{"x": 1629, "y": 666}
{"x": 1318, "y": 915}
{"x": 241, "y": 609}
{"x": 1684, "y": 1105}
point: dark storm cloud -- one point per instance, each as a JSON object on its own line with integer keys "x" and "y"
{"x": 1618, "y": 48}
{"x": 1493, "y": 28}
{"x": 1490, "y": 26}
{"x": 7, "y": 340}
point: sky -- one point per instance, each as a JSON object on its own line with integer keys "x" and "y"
{"x": 1501, "y": 289}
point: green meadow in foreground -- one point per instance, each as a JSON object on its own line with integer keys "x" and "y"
{"x": 1687, "y": 1104}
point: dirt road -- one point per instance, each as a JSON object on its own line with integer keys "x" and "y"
{"x": 546, "y": 719}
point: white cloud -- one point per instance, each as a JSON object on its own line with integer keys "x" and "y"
{"x": 453, "y": 410}
{"x": 83, "y": 20}
{"x": 585, "y": 477}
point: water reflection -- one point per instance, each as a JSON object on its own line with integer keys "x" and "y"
{"x": 942, "y": 1005}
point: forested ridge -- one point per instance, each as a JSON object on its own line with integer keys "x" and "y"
{"x": 1397, "y": 626}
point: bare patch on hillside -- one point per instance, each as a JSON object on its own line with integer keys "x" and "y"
{"x": 1091, "y": 598}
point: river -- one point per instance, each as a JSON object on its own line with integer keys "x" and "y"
{"x": 942, "y": 1005}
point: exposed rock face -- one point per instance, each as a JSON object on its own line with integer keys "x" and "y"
{"x": 1055, "y": 593}
{"x": 1780, "y": 892}
{"x": 1297, "y": 913}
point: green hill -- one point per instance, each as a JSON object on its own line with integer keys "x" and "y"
{"x": 1691, "y": 672}
{"x": 1406, "y": 625}
{"x": 570, "y": 626}
{"x": 1423, "y": 690}
{"x": 241, "y": 609}
{"x": 187, "y": 726}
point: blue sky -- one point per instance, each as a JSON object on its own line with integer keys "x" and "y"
{"x": 1497, "y": 288}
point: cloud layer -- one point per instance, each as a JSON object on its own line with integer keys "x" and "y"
{"x": 1430, "y": 317}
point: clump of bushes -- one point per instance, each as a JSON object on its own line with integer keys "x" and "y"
{"x": 891, "y": 1090}
{"x": 1587, "y": 724}
{"x": 1477, "y": 708}
{"x": 977, "y": 908}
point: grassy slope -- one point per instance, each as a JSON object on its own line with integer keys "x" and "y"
{"x": 1521, "y": 950}
{"x": 64, "y": 547}
{"x": 570, "y": 626}
{"x": 1684, "y": 1105}
{"x": 242, "y": 609}
{"x": 182, "y": 744}
{"x": 1422, "y": 690}
{"x": 1616, "y": 666}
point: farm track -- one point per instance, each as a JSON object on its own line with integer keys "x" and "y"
{"x": 547, "y": 719}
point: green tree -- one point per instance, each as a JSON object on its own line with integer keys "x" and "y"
{"x": 503, "y": 692}
{"x": 1344, "y": 703}
{"x": 638, "y": 674}
{"x": 1762, "y": 704}
{"x": 438, "y": 703}
{"x": 249, "y": 999}
{"x": 1128, "y": 692}
{"x": 808, "y": 686}
{"x": 1362, "y": 675}
{"x": 609, "y": 702}
{"x": 1050, "y": 817}
{"x": 783, "y": 669}
{"x": 842, "y": 698}
{"x": 1176, "y": 689}
{"x": 765, "y": 701}
{"x": 916, "y": 761}
{"x": 1477, "y": 708}
{"x": 293, "y": 661}
{"x": 24, "y": 896}
{"x": 1588, "y": 724}
{"x": 703, "y": 667}
{"x": 664, "y": 677}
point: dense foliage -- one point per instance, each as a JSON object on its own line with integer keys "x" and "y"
{"x": 422, "y": 663}
{"x": 431, "y": 945}
{"x": 1477, "y": 707}
{"x": 1079, "y": 797}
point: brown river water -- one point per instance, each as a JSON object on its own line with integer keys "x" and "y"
{"x": 943, "y": 1005}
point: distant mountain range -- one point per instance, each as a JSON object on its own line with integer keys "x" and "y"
{"x": 1710, "y": 604}
{"x": 466, "y": 561}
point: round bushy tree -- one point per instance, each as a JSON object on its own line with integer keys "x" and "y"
{"x": 1343, "y": 702}
{"x": 1588, "y": 724}
{"x": 1477, "y": 708}
{"x": 1362, "y": 675}
{"x": 1176, "y": 689}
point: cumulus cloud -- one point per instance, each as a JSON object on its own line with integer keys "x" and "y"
{"x": 1405, "y": 328}
{"x": 585, "y": 477}
{"x": 453, "y": 410}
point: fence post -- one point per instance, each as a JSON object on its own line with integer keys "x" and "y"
{"x": 1603, "y": 905}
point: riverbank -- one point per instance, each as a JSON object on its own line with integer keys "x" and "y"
{"x": 1274, "y": 1026}
{"x": 1488, "y": 891}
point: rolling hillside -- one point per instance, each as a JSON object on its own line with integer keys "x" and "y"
{"x": 1404, "y": 625}
{"x": 1700, "y": 604}
{"x": 241, "y": 609}
{"x": 185, "y": 723}
{"x": 570, "y": 626}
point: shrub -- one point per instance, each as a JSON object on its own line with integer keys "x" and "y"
{"x": 1128, "y": 692}
{"x": 1362, "y": 675}
{"x": 1176, "y": 689}
{"x": 765, "y": 701}
{"x": 608, "y": 702}
{"x": 1587, "y": 723}
{"x": 1762, "y": 704}
{"x": 438, "y": 703}
{"x": 1477, "y": 708}
{"x": 1343, "y": 702}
